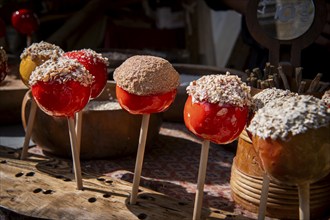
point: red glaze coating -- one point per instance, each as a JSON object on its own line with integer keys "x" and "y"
{"x": 207, "y": 121}
{"x": 25, "y": 21}
{"x": 136, "y": 104}
{"x": 95, "y": 67}
{"x": 2, "y": 28}
{"x": 61, "y": 99}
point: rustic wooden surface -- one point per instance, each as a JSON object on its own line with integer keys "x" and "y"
{"x": 42, "y": 187}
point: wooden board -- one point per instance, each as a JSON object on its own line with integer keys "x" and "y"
{"x": 42, "y": 187}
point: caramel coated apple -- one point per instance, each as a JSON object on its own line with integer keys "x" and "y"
{"x": 291, "y": 137}
{"x": 303, "y": 158}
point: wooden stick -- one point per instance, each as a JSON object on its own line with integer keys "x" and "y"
{"x": 139, "y": 157}
{"x": 270, "y": 82}
{"x": 257, "y": 72}
{"x": 283, "y": 77}
{"x": 75, "y": 155}
{"x": 253, "y": 80}
{"x": 276, "y": 80}
{"x": 298, "y": 76}
{"x": 267, "y": 70}
{"x": 28, "y": 40}
{"x": 78, "y": 123}
{"x": 263, "y": 197}
{"x": 28, "y": 132}
{"x": 323, "y": 86}
{"x": 301, "y": 87}
{"x": 304, "y": 196}
{"x": 315, "y": 83}
{"x": 201, "y": 180}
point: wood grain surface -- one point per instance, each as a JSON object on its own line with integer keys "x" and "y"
{"x": 42, "y": 187}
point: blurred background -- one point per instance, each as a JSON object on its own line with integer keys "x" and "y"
{"x": 183, "y": 31}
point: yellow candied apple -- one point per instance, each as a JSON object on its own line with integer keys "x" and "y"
{"x": 34, "y": 56}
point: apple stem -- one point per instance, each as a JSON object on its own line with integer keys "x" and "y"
{"x": 201, "y": 180}
{"x": 139, "y": 157}
{"x": 28, "y": 132}
{"x": 75, "y": 154}
{"x": 263, "y": 197}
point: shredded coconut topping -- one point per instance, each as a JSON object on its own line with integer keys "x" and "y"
{"x": 326, "y": 97}
{"x": 222, "y": 89}
{"x": 269, "y": 94}
{"x": 61, "y": 70}
{"x": 42, "y": 51}
{"x": 3, "y": 62}
{"x": 290, "y": 115}
{"x": 146, "y": 75}
{"x": 96, "y": 57}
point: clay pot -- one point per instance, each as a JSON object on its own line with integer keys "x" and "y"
{"x": 106, "y": 133}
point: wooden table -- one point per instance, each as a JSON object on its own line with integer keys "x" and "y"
{"x": 44, "y": 187}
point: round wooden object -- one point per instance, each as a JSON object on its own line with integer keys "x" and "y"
{"x": 105, "y": 133}
{"x": 282, "y": 202}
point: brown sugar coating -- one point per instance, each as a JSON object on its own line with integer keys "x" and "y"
{"x": 42, "y": 51}
{"x": 146, "y": 75}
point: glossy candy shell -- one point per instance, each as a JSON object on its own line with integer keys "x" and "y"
{"x": 303, "y": 158}
{"x": 219, "y": 124}
{"x": 149, "y": 104}
{"x": 97, "y": 68}
{"x": 61, "y": 99}
{"x": 25, "y": 21}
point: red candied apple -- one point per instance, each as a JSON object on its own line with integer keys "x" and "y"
{"x": 218, "y": 123}
{"x": 25, "y": 21}
{"x": 137, "y": 104}
{"x": 146, "y": 84}
{"x": 217, "y": 107}
{"x": 61, "y": 87}
{"x": 95, "y": 64}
